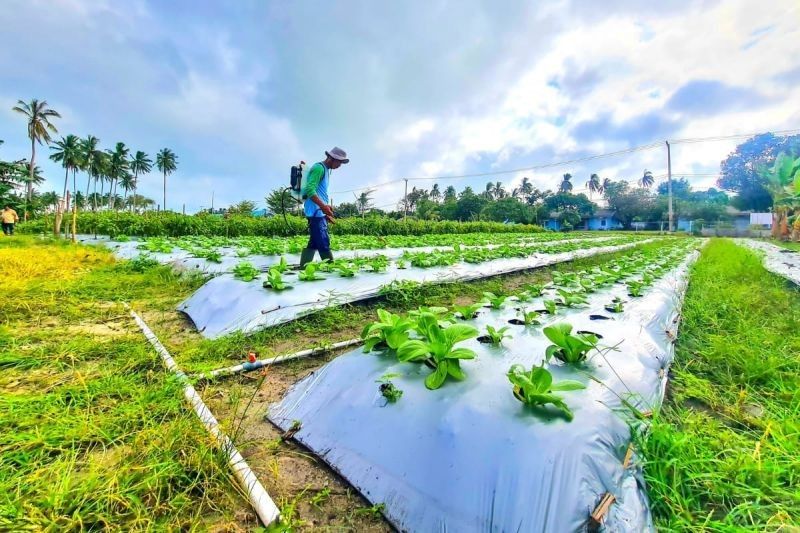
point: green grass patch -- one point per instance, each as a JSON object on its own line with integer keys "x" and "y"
{"x": 722, "y": 455}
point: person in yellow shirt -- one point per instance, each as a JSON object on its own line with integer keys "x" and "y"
{"x": 10, "y": 218}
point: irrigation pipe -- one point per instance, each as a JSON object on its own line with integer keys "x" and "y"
{"x": 249, "y": 367}
{"x": 262, "y": 503}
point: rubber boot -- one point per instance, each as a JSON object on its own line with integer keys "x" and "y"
{"x": 306, "y": 256}
{"x": 326, "y": 255}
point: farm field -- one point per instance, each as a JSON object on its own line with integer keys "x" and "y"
{"x": 94, "y": 413}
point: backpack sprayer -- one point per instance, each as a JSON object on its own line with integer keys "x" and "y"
{"x": 295, "y": 188}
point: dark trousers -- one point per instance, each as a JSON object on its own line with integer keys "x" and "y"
{"x": 8, "y": 228}
{"x": 318, "y": 235}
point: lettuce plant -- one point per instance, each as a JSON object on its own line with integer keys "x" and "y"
{"x": 245, "y": 271}
{"x": 309, "y": 273}
{"x": 438, "y": 351}
{"x": 496, "y": 301}
{"x": 529, "y": 318}
{"x": 571, "y": 298}
{"x": 282, "y": 265}
{"x": 551, "y": 306}
{"x": 571, "y": 349}
{"x": 346, "y": 271}
{"x": 535, "y": 289}
{"x": 388, "y": 389}
{"x": 466, "y": 312}
{"x": 390, "y": 329}
{"x": 635, "y": 288}
{"x": 496, "y": 336}
{"x": 536, "y": 388}
{"x": 524, "y": 296}
{"x": 275, "y": 280}
{"x": 616, "y": 306}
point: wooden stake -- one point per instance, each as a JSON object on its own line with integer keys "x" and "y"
{"x": 599, "y": 513}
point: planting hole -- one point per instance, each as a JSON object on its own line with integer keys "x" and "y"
{"x": 516, "y": 322}
{"x": 485, "y": 339}
{"x": 600, "y": 317}
{"x": 587, "y": 332}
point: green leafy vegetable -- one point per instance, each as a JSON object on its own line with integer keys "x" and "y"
{"x": 571, "y": 349}
{"x": 309, "y": 273}
{"x": 245, "y": 271}
{"x": 438, "y": 351}
{"x": 275, "y": 280}
{"x": 496, "y": 301}
{"x": 496, "y": 336}
{"x": 467, "y": 312}
{"x": 390, "y": 329}
{"x": 536, "y": 388}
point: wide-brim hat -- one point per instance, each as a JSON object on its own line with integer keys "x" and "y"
{"x": 337, "y": 154}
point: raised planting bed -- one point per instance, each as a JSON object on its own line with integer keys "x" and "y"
{"x": 778, "y": 260}
{"x": 527, "y": 432}
{"x": 226, "y": 304}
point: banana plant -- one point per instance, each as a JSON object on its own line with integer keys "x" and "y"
{"x": 309, "y": 273}
{"x": 496, "y": 301}
{"x": 536, "y": 388}
{"x": 438, "y": 351}
{"x": 566, "y": 347}
{"x": 467, "y": 312}
{"x": 390, "y": 329}
{"x": 496, "y": 336}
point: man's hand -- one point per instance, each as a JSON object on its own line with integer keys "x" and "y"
{"x": 326, "y": 209}
{"x": 330, "y": 219}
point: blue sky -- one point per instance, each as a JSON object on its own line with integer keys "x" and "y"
{"x": 242, "y": 90}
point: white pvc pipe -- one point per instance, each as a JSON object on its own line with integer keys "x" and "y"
{"x": 262, "y": 503}
{"x": 248, "y": 367}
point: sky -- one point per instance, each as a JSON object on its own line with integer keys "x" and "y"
{"x": 241, "y": 91}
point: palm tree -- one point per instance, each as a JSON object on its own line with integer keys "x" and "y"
{"x": 126, "y": 181}
{"x": 32, "y": 179}
{"x": 140, "y": 164}
{"x": 450, "y": 193}
{"x": 435, "y": 193}
{"x": 606, "y": 184}
{"x": 89, "y": 158}
{"x": 593, "y": 184}
{"x": 117, "y": 169}
{"x": 489, "y": 192}
{"x": 67, "y": 152}
{"x": 498, "y": 191}
{"x": 102, "y": 171}
{"x": 566, "y": 185}
{"x": 167, "y": 163}
{"x": 363, "y": 201}
{"x": 647, "y": 180}
{"x": 39, "y": 129}
{"x": 526, "y": 188}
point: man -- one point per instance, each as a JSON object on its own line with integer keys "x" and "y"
{"x": 10, "y": 218}
{"x": 316, "y": 206}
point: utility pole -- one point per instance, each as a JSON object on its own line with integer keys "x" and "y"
{"x": 212, "y": 202}
{"x": 405, "y": 201}
{"x": 669, "y": 184}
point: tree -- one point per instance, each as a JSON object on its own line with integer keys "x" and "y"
{"x": 569, "y": 218}
{"x": 647, "y": 180}
{"x": 449, "y": 193}
{"x": 681, "y": 188}
{"x": 628, "y": 203}
{"x": 488, "y": 193}
{"x": 435, "y": 193}
{"x": 279, "y": 200}
{"x": 526, "y": 188}
{"x": 782, "y": 181}
{"x": 469, "y": 205}
{"x": 117, "y": 168}
{"x": 347, "y": 209}
{"x": 100, "y": 169}
{"x": 38, "y": 116}
{"x": 126, "y": 182}
{"x": 498, "y": 191}
{"x": 575, "y": 202}
{"x": 566, "y": 184}
{"x": 245, "y": 207}
{"x": 88, "y": 151}
{"x": 740, "y": 171}
{"x": 593, "y": 184}
{"x": 140, "y": 164}
{"x": 427, "y": 209}
{"x": 167, "y": 163}
{"x": 606, "y": 183}
{"x": 364, "y": 202}
{"x": 67, "y": 152}
{"x": 507, "y": 210}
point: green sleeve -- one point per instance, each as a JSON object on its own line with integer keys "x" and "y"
{"x": 312, "y": 180}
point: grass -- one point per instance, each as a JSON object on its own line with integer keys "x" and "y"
{"x": 722, "y": 455}
{"x": 95, "y": 433}
{"x": 788, "y": 245}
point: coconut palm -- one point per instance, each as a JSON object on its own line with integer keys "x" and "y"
{"x": 67, "y": 152}
{"x": 593, "y": 184}
{"x": 117, "y": 169}
{"x": 435, "y": 193}
{"x": 488, "y": 193}
{"x": 38, "y": 116}
{"x": 89, "y": 159}
{"x": 102, "y": 170}
{"x": 140, "y": 164}
{"x": 126, "y": 181}
{"x": 606, "y": 184}
{"x": 647, "y": 180}
{"x": 498, "y": 191}
{"x": 167, "y": 163}
{"x": 566, "y": 185}
{"x": 363, "y": 201}
{"x": 525, "y": 188}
